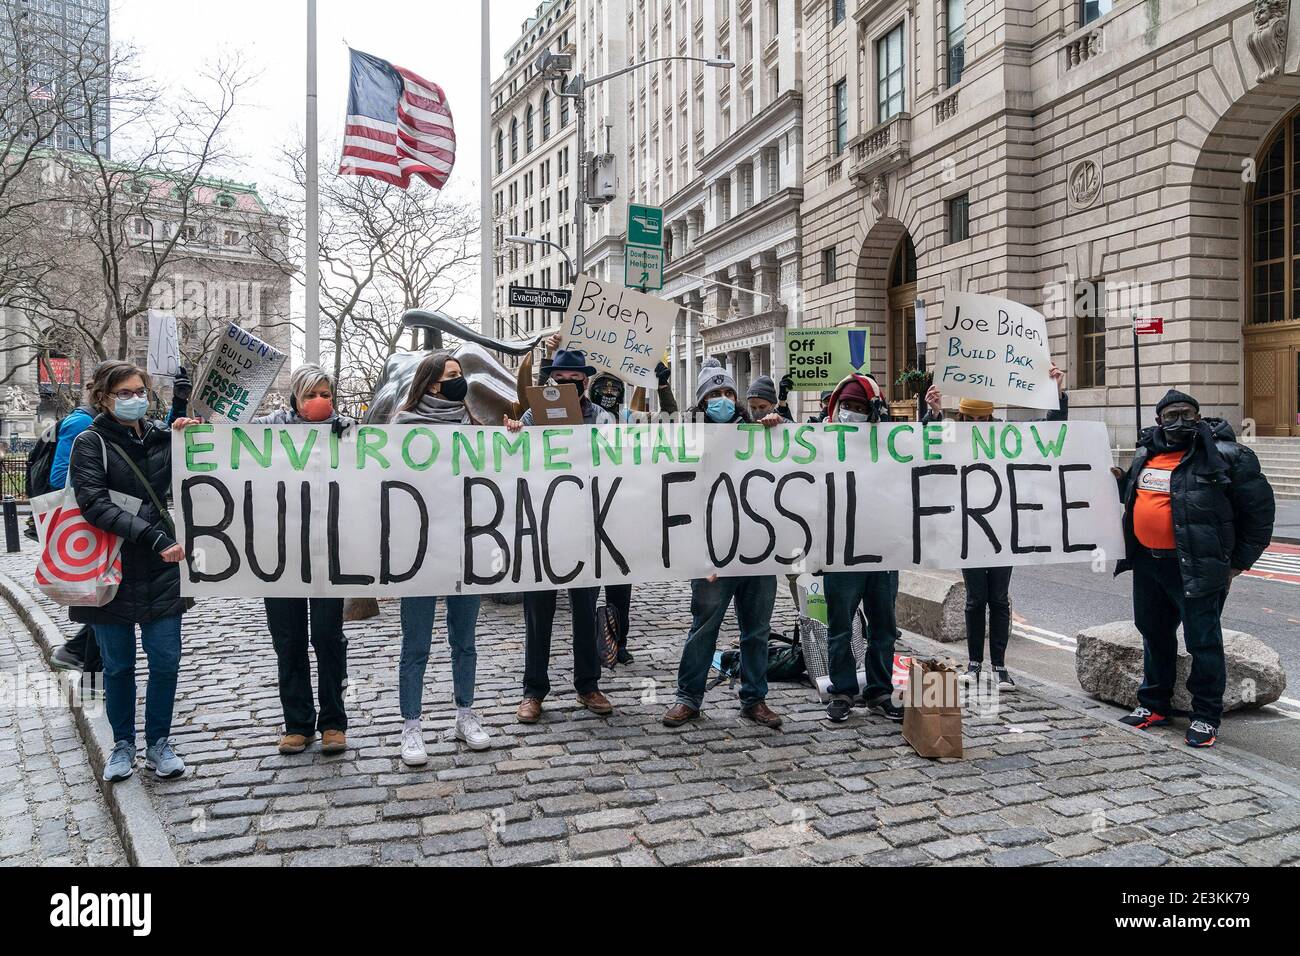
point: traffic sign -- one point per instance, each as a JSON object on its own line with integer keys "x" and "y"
{"x": 1153, "y": 326}
{"x": 549, "y": 300}
{"x": 645, "y": 225}
{"x": 643, "y": 267}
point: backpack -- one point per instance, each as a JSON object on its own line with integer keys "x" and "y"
{"x": 40, "y": 460}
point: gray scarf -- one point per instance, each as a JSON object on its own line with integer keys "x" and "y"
{"x": 433, "y": 409}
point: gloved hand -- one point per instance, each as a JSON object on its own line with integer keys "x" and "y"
{"x": 181, "y": 391}
{"x": 786, "y": 383}
{"x": 663, "y": 373}
{"x": 341, "y": 424}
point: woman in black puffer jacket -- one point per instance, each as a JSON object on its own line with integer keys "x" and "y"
{"x": 150, "y": 592}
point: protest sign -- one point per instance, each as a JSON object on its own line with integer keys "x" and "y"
{"x": 235, "y": 379}
{"x": 295, "y": 510}
{"x": 164, "y": 356}
{"x": 993, "y": 349}
{"x": 817, "y": 358}
{"x": 621, "y": 331}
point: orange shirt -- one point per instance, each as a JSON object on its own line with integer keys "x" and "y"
{"x": 1153, "y": 520}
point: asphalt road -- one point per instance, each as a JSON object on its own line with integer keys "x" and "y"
{"x": 1052, "y": 603}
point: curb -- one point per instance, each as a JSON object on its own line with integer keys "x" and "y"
{"x": 138, "y": 825}
{"x": 1100, "y": 711}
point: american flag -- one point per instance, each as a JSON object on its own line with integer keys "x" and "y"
{"x": 398, "y": 125}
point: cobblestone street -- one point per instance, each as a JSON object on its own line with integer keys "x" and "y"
{"x": 1041, "y": 782}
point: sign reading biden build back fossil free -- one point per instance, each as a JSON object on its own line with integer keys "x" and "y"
{"x": 993, "y": 349}
{"x": 620, "y": 330}
{"x": 411, "y": 509}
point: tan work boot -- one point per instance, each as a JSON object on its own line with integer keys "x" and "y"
{"x": 295, "y": 743}
{"x": 529, "y": 711}
{"x": 333, "y": 742}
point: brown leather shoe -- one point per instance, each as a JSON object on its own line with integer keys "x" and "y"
{"x": 678, "y": 714}
{"x": 760, "y": 713}
{"x": 597, "y": 703}
{"x": 333, "y": 742}
{"x": 529, "y": 710}
{"x": 295, "y": 743}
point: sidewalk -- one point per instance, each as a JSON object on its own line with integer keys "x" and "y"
{"x": 1042, "y": 781}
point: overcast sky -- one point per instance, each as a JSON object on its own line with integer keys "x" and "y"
{"x": 438, "y": 39}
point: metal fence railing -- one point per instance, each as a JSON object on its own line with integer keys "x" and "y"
{"x": 13, "y": 477}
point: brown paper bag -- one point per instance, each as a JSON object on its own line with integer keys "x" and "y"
{"x": 932, "y": 709}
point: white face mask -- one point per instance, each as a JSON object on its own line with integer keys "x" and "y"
{"x": 846, "y": 417}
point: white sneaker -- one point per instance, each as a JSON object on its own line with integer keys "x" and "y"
{"x": 472, "y": 733}
{"x": 413, "y": 752}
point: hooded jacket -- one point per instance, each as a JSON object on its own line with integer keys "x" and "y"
{"x": 151, "y": 587}
{"x": 1222, "y": 508}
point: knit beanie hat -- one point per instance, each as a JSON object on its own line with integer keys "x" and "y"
{"x": 712, "y": 377}
{"x": 763, "y": 388}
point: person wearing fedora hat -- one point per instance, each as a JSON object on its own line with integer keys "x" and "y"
{"x": 988, "y": 590}
{"x": 569, "y": 366}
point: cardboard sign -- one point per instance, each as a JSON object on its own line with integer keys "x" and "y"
{"x": 164, "y": 357}
{"x": 993, "y": 349}
{"x": 817, "y": 359}
{"x": 554, "y": 404}
{"x": 236, "y": 377}
{"x": 296, "y": 510}
{"x": 621, "y": 331}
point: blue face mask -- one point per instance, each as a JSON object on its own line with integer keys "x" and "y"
{"x": 720, "y": 409}
{"x": 130, "y": 409}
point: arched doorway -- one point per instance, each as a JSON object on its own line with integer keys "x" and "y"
{"x": 1271, "y": 327}
{"x": 901, "y": 298}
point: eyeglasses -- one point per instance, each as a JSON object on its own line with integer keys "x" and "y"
{"x": 1172, "y": 416}
{"x": 128, "y": 393}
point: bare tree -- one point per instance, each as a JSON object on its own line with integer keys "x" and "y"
{"x": 383, "y": 250}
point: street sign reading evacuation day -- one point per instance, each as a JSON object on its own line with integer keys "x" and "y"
{"x": 549, "y": 300}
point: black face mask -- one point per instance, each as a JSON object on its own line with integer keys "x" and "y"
{"x": 454, "y": 389}
{"x": 1180, "y": 433}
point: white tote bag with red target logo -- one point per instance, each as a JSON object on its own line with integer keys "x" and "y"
{"x": 79, "y": 563}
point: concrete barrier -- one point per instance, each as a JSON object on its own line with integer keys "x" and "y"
{"x": 932, "y": 603}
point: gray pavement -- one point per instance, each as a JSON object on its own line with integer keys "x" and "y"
{"x": 1043, "y": 779}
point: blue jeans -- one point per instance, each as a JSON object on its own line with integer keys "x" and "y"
{"x": 161, "y": 640}
{"x": 876, "y": 592}
{"x": 754, "y": 597}
{"x": 417, "y": 634}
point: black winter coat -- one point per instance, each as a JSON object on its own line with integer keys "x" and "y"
{"x": 1223, "y": 519}
{"x": 151, "y": 587}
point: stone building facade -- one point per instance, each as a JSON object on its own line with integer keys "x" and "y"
{"x": 1093, "y": 161}
{"x": 534, "y": 181}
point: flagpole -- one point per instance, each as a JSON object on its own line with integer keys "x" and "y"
{"x": 312, "y": 271}
{"x": 486, "y": 262}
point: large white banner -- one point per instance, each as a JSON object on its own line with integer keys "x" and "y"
{"x": 412, "y": 509}
{"x": 994, "y": 349}
{"x": 622, "y": 331}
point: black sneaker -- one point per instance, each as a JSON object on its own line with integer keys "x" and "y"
{"x": 1141, "y": 718}
{"x": 1004, "y": 679}
{"x": 838, "y": 709}
{"x": 1202, "y": 734}
{"x": 885, "y": 707}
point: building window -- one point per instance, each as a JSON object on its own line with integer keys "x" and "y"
{"x": 1090, "y": 314}
{"x": 889, "y": 74}
{"x": 839, "y": 12}
{"x": 1090, "y": 10}
{"x": 829, "y": 271}
{"x": 841, "y": 116}
{"x": 959, "y": 218}
{"x": 956, "y": 40}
